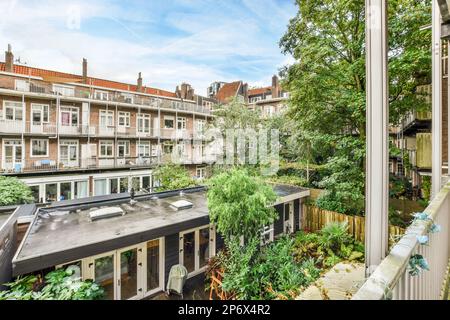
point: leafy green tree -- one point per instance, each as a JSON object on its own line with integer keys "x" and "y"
{"x": 173, "y": 177}
{"x": 240, "y": 204}
{"x": 13, "y": 191}
{"x": 327, "y": 84}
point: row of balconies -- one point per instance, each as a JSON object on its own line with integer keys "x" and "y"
{"x": 28, "y": 166}
{"x": 19, "y": 127}
{"x": 42, "y": 88}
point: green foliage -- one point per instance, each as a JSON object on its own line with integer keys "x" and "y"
{"x": 268, "y": 272}
{"x": 328, "y": 247}
{"x": 58, "y": 285}
{"x": 426, "y": 188}
{"x": 292, "y": 180}
{"x": 327, "y": 86}
{"x": 240, "y": 204}
{"x": 399, "y": 186}
{"x": 13, "y": 191}
{"x": 173, "y": 177}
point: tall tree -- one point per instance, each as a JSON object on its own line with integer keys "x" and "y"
{"x": 327, "y": 82}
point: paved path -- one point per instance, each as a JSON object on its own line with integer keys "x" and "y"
{"x": 340, "y": 283}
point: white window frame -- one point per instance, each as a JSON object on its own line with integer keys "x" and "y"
{"x": 183, "y": 122}
{"x": 108, "y": 115}
{"x": 145, "y": 117}
{"x": 145, "y": 145}
{"x": 200, "y": 125}
{"x": 172, "y": 118}
{"x": 47, "y": 148}
{"x": 126, "y": 144}
{"x": 212, "y": 247}
{"x": 72, "y": 111}
{"x": 40, "y": 107}
{"x": 15, "y": 106}
{"x": 126, "y": 116}
{"x": 267, "y": 230}
{"x": 202, "y": 170}
{"x": 106, "y": 143}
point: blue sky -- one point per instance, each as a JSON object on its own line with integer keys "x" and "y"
{"x": 194, "y": 41}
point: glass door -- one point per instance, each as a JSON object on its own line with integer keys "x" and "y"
{"x": 68, "y": 153}
{"x": 288, "y": 218}
{"x": 12, "y": 155}
{"x": 129, "y": 268}
{"x": 104, "y": 274}
{"x": 154, "y": 273}
{"x": 196, "y": 248}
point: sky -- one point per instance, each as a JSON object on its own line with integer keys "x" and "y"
{"x": 169, "y": 41}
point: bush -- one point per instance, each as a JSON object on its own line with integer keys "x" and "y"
{"x": 13, "y": 191}
{"x": 173, "y": 177}
{"x": 58, "y": 285}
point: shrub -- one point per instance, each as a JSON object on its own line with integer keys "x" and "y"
{"x": 173, "y": 177}
{"x": 58, "y": 285}
{"x": 13, "y": 191}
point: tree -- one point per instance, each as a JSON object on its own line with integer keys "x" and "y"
{"x": 13, "y": 191}
{"x": 240, "y": 204}
{"x": 327, "y": 83}
{"x": 173, "y": 177}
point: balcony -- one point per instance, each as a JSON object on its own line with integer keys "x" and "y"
{"x": 41, "y": 88}
{"x": 48, "y": 165}
{"x": 11, "y": 126}
{"x": 393, "y": 278}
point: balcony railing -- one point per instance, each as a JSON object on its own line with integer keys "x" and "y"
{"x": 41, "y": 87}
{"x": 393, "y": 278}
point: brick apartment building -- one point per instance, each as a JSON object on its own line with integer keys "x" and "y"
{"x": 270, "y": 100}
{"x": 70, "y": 136}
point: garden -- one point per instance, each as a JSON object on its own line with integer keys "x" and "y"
{"x": 240, "y": 206}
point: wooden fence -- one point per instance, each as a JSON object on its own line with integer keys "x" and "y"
{"x": 314, "y": 219}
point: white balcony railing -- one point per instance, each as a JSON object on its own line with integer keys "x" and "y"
{"x": 392, "y": 278}
{"x": 11, "y": 126}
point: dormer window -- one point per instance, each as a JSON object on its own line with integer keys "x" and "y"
{"x": 22, "y": 85}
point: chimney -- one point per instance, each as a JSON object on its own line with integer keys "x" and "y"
{"x": 275, "y": 87}
{"x": 139, "y": 82}
{"x": 9, "y": 60}
{"x": 85, "y": 66}
{"x": 245, "y": 92}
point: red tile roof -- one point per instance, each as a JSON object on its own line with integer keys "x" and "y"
{"x": 228, "y": 91}
{"x": 109, "y": 84}
{"x": 258, "y": 91}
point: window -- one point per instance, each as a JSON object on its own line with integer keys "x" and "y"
{"x": 144, "y": 149}
{"x": 123, "y": 149}
{"x": 101, "y": 95}
{"x": 39, "y": 113}
{"x": 69, "y": 116}
{"x": 181, "y": 123}
{"x": 168, "y": 148}
{"x": 124, "y": 119}
{"x": 200, "y": 172}
{"x": 197, "y": 248}
{"x": 39, "y": 148}
{"x": 22, "y": 85}
{"x": 64, "y": 90}
{"x": 168, "y": 122}
{"x": 200, "y": 125}
{"x": 255, "y": 99}
{"x": 106, "y": 148}
{"x": 106, "y": 118}
{"x": 13, "y": 110}
{"x": 80, "y": 189}
{"x": 100, "y": 187}
{"x": 143, "y": 123}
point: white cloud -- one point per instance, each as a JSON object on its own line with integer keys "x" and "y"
{"x": 225, "y": 44}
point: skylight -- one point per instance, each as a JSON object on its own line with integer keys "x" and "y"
{"x": 106, "y": 213}
{"x": 181, "y": 205}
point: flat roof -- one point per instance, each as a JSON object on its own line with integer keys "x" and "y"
{"x": 64, "y": 232}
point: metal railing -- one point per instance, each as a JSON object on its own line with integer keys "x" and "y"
{"x": 394, "y": 277}
{"x": 40, "y": 87}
